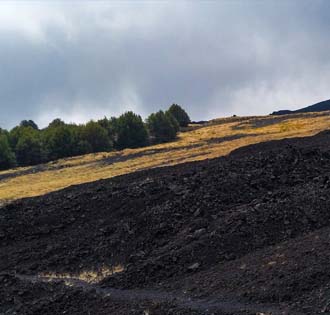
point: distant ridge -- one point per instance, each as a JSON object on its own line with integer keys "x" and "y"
{"x": 318, "y": 107}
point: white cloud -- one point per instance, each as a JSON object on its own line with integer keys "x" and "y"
{"x": 85, "y": 59}
{"x": 32, "y": 19}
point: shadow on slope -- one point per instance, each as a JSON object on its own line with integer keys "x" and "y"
{"x": 166, "y": 224}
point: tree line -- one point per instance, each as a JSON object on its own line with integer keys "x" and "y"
{"x": 26, "y": 144}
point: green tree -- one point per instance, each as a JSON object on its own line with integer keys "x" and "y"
{"x": 179, "y": 114}
{"x": 14, "y": 135}
{"x": 161, "y": 127}
{"x": 83, "y": 147}
{"x": 29, "y": 148}
{"x": 7, "y": 156}
{"x": 59, "y": 141}
{"x": 97, "y": 137}
{"x": 131, "y": 132}
{"x": 110, "y": 126}
{"x": 57, "y": 122}
{"x": 79, "y": 145}
{"x": 173, "y": 121}
{"x": 29, "y": 123}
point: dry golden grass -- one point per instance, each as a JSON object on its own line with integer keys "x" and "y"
{"x": 200, "y": 142}
{"x": 90, "y": 276}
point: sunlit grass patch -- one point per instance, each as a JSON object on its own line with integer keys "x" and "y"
{"x": 217, "y": 138}
{"x": 90, "y": 276}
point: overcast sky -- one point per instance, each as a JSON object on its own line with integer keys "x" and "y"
{"x": 81, "y": 60}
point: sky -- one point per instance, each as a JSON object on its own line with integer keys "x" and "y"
{"x": 81, "y": 60}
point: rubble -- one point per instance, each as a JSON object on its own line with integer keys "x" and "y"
{"x": 188, "y": 226}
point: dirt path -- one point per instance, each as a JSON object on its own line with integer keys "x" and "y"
{"x": 227, "y": 306}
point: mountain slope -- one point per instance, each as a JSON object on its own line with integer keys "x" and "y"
{"x": 251, "y": 227}
{"x": 216, "y": 138}
{"x": 318, "y": 107}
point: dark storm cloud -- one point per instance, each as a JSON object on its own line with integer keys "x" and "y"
{"x": 85, "y": 60}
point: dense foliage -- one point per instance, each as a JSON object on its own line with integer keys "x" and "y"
{"x": 180, "y": 115}
{"x": 162, "y": 127}
{"x": 26, "y": 144}
{"x": 7, "y": 156}
{"x": 29, "y": 149}
{"x": 131, "y": 131}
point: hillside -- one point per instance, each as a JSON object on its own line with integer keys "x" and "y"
{"x": 213, "y": 139}
{"x": 318, "y": 107}
{"x": 247, "y": 233}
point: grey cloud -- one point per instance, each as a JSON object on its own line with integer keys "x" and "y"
{"x": 215, "y": 58}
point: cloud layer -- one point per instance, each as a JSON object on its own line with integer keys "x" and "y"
{"x": 83, "y": 60}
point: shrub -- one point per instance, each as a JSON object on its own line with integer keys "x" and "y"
{"x": 29, "y": 149}
{"x": 179, "y": 114}
{"x": 161, "y": 127}
{"x": 7, "y": 156}
{"x": 29, "y": 123}
{"x": 58, "y": 141}
{"x": 131, "y": 132}
{"x": 96, "y": 136}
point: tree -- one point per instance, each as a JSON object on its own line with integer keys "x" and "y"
{"x": 57, "y": 122}
{"x": 82, "y": 147}
{"x": 29, "y": 149}
{"x": 173, "y": 121}
{"x": 131, "y": 132}
{"x": 59, "y": 141}
{"x": 32, "y": 146}
{"x": 110, "y": 126}
{"x": 97, "y": 137}
{"x": 7, "y": 156}
{"x": 29, "y": 123}
{"x": 14, "y": 135}
{"x": 179, "y": 114}
{"x": 79, "y": 145}
{"x": 161, "y": 127}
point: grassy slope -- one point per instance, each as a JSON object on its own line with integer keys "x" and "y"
{"x": 217, "y": 138}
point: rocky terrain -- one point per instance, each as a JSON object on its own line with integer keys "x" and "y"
{"x": 318, "y": 107}
{"x": 248, "y": 233}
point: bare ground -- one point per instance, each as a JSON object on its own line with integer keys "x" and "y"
{"x": 244, "y": 234}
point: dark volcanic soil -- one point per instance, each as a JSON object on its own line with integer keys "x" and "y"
{"x": 248, "y": 233}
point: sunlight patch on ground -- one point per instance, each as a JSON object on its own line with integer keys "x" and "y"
{"x": 216, "y": 138}
{"x": 90, "y": 276}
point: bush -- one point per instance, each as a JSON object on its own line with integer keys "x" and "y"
{"x": 26, "y": 144}
{"x": 57, "y": 122}
{"x": 110, "y": 126}
{"x": 29, "y": 123}
{"x": 161, "y": 127}
{"x": 29, "y": 149}
{"x": 173, "y": 121}
{"x": 130, "y": 131}
{"x": 7, "y": 156}
{"x": 96, "y": 136}
{"x": 14, "y": 135}
{"x": 59, "y": 141}
{"x": 179, "y": 114}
